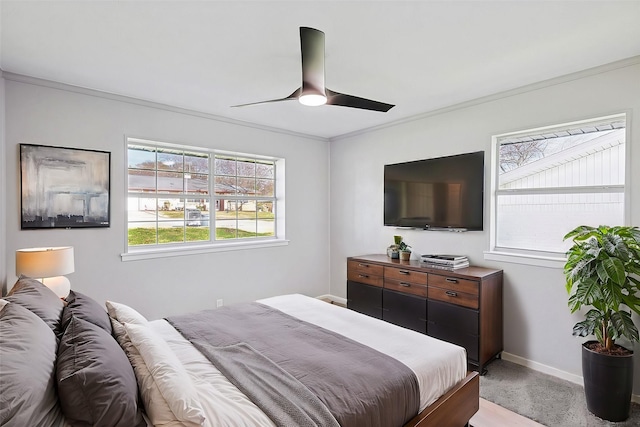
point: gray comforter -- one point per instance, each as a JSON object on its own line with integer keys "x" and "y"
{"x": 288, "y": 367}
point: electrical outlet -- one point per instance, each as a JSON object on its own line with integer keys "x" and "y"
{"x": 219, "y": 303}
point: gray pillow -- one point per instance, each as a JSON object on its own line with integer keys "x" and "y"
{"x": 96, "y": 383}
{"x": 27, "y": 372}
{"x": 41, "y": 300}
{"x": 86, "y": 308}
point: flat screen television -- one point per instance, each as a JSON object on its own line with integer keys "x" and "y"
{"x": 440, "y": 193}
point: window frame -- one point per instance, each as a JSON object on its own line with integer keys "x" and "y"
{"x": 158, "y": 250}
{"x": 539, "y": 257}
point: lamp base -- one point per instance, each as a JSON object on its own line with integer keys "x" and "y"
{"x": 60, "y": 285}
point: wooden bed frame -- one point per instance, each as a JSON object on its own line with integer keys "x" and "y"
{"x": 454, "y": 408}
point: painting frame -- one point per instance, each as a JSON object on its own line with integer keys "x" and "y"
{"x": 63, "y": 187}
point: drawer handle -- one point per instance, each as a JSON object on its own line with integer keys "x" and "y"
{"x": 452, "y": 294}
{"x": 405, "y": 272}
{"x": 451, "y": 280}
{"x": 405, "y": 284}
{"x": 363, "y": 276}
{"x": 363, "y": 265}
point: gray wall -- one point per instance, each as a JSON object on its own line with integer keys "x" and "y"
{"x": 3, "y": 189}
{"x": 158, "y": 287}
{"x": 537, "y": 324}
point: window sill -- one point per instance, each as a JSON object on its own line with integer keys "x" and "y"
{"x": 137, "y": 254}
{"x": 526, "y": 259}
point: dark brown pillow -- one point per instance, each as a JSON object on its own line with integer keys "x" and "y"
{"x": 96, "y": 383}
{"x": 86, "y": 308}
{"x": 27, "y": 370}
{"x": 39, "y": 299}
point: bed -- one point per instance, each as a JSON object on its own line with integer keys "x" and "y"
{"x": 234, "y": 366}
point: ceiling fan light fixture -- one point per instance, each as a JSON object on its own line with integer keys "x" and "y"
{"x": 312, "y": 99}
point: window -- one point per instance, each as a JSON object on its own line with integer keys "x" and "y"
{"x": 548, "y": 181}
{"x": 177, "y": 195}
{"x": 244, "y": 191}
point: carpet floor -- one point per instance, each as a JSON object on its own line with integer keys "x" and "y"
{"x": 543, "y": 398}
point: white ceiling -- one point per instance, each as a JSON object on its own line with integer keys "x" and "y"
{"x": 209, "y": 55}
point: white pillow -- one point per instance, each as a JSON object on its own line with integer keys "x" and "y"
{"x": 156, "y": 406}
{"x": 168, "y": 373}
{"x": 124, "y": 314}
{"x": 3, "y": 302}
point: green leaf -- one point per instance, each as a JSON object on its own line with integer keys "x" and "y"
{"x": 587, "y": 292}
{"x": 635, "y": 281}
{"x": 612, "y": 295}
{"x": 578, "y": 232}
{"x": 603, "y": 274}
{"x": 594, "y": 316}
{"x": 574, "y": 303}
{"x": 617, "y": 271}
{"x": 613, "y": 269}
{"x": 581, "y": 268}
{"x": 623, "y": 326}
{"x": 584, "y": 328}
{"x": 633, "y": 302}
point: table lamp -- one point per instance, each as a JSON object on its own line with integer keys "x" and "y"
{"x": 48, "y": 265}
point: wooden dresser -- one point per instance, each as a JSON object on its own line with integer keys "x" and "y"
{"x": 462, "y": 306}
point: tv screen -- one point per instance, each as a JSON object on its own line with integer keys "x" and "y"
{"x": 440, "y": 193}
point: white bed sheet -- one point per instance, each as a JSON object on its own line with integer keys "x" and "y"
{"x": 438, "y": 365}
{"x": 223, "y": 403}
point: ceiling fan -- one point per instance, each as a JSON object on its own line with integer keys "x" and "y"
{"x": 313, "y": 91}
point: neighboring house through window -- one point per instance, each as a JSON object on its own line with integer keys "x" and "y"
{"x": 186, "y": 196}
{"x": 549, "y": 180}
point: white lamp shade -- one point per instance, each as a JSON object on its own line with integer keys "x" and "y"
{"x": 47, "y": 264}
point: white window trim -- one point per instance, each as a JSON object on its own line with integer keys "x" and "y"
{"x": 526, "y": 259}
{"x": 136, "y": 253}
{"x": 538, "y": 258}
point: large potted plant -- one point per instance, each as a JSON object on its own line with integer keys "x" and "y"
{"x": 602, "y": 273}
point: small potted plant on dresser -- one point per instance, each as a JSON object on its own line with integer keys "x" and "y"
{"x": 602, "y": 273}
{"x": 405, "y": 251}
{"x": 393, "y": 251}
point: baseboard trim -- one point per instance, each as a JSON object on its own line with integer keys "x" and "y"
{"x": 333, "y": 299}
{"x": 554, "y": 372}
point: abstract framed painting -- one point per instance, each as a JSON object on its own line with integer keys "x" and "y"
{"x": 64, "y": 187}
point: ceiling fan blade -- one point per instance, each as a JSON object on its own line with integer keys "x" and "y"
{"x": 344, "y": 100}
{"x": 312, "y": 49}
{"x": 294, "y": 95}
{"x": 313, "y": 91}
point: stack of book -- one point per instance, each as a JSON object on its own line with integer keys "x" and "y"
{"x": 445, "y": 262}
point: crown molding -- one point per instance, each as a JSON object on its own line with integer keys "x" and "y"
{"x": 21, "y": 78}
{"x": 628, "y": 62}
{"x": 601, "y": 69}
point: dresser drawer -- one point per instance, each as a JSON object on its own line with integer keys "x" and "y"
{"x": 404, "y": 310}
{"x": 403, "y": 275}
{"x": 406, "y": 287}
{"x": 454, "y": 284}
{"x": 453, "y": 297}
{"x": 455, "y": 324}
{"x": 364, "y": 299}
{"x": 364, "y": 278}
{"x": 365, "y": 268}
